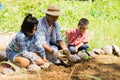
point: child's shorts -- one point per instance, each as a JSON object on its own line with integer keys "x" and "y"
{"x": 11, "y": 55}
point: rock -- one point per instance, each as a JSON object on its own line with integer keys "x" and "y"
{"x": 7, "y": 71}
{"x": 3, "y": 56}
{"x": 98, "y": 51}
{"x": 75, "y": 58}
{"x": 108, "y": 49}
{"x": 45, "y": 65}
{"x": 92, "y": 54}
{"x": 34, "y": 67}
{"x": 118, "y": 54}
{"x": 83, "y": 55}
{"x": 115, "y": 49}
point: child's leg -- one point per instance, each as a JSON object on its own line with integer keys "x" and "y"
{"x": 22, "y": 61}
{"x": 13, "y": 56}
{"x": 72, "y": 48}
{"x": 84, "y": 47}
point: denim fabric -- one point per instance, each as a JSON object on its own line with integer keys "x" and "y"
{"x": 12, "y": 54}
{"x": 84, "y": 47}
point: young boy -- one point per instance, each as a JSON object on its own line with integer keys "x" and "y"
{"x": 25, "y": 46}
{"x": 78, "y": 38}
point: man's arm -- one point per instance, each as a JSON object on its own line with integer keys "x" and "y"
{"x": 62, "y": 44}
{"x": 48, "y": 48}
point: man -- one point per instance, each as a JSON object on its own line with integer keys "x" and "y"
{"x": 50, "y": 35}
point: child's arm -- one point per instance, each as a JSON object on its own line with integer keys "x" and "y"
{"x": 40, "y": 50}
{"x": 85, "y": 38}
{"x": 77, "y": 46}
{"x": 39, "y": 47}
{"x": 81, "y": 41}
{"x": 21, "y": 43}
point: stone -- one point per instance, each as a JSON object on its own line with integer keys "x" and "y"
{"x": 7, "y": 71}
{"x": 115, "y": 49}
{"x": 92, "y": 54}
{"x": 45, "y": 65}
{"x": 75, "y": 58}
{"x": 98, "y": 51}
{"x": 108, "y": 49}
{"x": 34, "y": 67}
{"x": 118, "y": 54}
{"x": 83, "y": 55}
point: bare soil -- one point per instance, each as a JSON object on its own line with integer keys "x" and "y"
{"x": 103, "y": 67}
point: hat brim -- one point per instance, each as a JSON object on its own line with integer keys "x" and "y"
{"x": 53, "y": 13}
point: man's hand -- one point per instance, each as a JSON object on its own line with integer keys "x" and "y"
{"x": 59, "y": 55}
{"x": 67, "y": 53}
{"x": 64, "y": 56}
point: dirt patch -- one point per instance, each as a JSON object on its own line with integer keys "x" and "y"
{"x": 103, "y": 67}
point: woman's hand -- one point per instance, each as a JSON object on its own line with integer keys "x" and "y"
{"x": 45, "y": 60}
{"x": 39, "y": 61}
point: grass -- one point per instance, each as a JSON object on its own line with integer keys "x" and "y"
{"x": 103, "y": 15}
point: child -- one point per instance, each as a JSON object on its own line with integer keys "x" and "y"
{"x": 25, "y": 47}
{"x": 78, "y": 38}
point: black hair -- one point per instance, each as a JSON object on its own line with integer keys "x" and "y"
{"x": 83, "y": 22}
{"x": 29, "y": 23}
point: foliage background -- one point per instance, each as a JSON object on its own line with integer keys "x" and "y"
{"x": 104, "y": 17}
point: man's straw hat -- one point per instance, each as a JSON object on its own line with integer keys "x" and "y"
{"x": 53, "y": 10}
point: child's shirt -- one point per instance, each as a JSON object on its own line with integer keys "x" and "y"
{"x": 75, "y": 38}
{"x": 25, "y": 45}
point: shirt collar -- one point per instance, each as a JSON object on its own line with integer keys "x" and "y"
{"x": 47, "y": 22}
